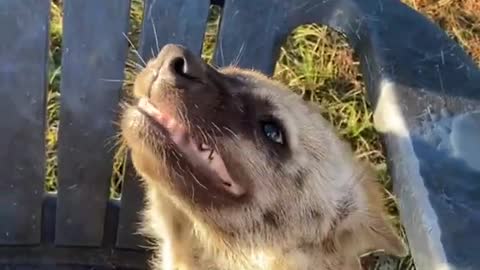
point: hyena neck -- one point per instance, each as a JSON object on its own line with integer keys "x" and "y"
{"x": 305, "y": 255}
{"x": 305, "y": 258}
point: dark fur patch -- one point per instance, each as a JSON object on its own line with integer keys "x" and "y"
{"x": 271, "y": 218}
{"x": 328, "y": 244}
{"x": 256, "y": 227}
{"x": 299, "y": 180}
{"x": 316, "y": 215}
{"x": 306, "y": 246}
{"x": 344, "y": 209}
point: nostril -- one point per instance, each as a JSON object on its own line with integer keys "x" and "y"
{"x": 179, "y": 66}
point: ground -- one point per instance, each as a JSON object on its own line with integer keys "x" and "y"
{"x": 315, "y": 62}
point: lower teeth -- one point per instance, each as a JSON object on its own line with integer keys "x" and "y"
{"x": 210, "y": 156}
{"x": 204, "y": 147}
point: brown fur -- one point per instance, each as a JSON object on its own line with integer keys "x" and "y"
{"x": 309, "y": 206}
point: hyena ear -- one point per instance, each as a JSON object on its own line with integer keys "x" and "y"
{"x": 354, "y": 264}
{"x": 378, "y": 235}
{"x": 370, "y": 231}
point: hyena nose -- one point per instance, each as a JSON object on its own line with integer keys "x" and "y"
{"x": 179, "y": 67}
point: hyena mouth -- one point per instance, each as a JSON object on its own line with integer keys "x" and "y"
{"x": 201, "y": 156}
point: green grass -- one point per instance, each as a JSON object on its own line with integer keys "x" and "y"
{"x": 315, "y": 62}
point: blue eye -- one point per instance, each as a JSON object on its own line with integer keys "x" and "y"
{"x": 273, "y": 132}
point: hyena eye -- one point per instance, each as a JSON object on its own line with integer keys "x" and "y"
{"x": 273, "y": 132}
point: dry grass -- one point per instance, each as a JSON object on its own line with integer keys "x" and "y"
{"x": 315, "y": 62}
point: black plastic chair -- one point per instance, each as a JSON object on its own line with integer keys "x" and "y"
{"x": 424, "y": 89}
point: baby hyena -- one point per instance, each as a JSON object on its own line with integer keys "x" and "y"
{"x": 241, "y": 173}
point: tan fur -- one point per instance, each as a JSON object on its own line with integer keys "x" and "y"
{"x": 321, "y": 209}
